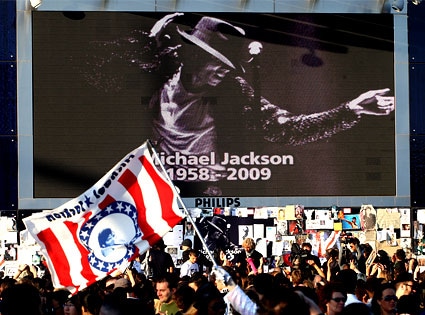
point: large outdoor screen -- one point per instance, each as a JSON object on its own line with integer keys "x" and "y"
{"x": 236, "y": 105}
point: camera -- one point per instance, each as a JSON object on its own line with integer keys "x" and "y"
{"x": 345, "y": 238}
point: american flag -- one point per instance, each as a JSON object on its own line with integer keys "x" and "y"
{"x": 129, "y": 209}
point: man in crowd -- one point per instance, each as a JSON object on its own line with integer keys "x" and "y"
{"x": 190, "y": 266}
{"x": 165, "y": 288}
{"x": 160, "y": 263}
{"x": 203, "y": 263}
{"x": 357, "y": 254}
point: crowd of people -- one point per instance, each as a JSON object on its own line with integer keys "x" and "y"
{"x": 366, "y": 282}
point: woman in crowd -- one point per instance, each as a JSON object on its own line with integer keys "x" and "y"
{"x": 384, "y": 301}
{"x": 73, "y": 306}
{"x": 332, "y": 298}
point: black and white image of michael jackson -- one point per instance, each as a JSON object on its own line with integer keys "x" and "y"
{"x": 231, "y": 114}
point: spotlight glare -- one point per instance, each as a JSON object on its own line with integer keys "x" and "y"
{"x": 35, "y": 3}
{"x": 398, "y": 5}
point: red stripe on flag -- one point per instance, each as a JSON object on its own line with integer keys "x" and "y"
{"x": 57, "y": 255}
{"x": 129, "y": 181}
{"x": 86, "y": 271}
{"x": 106, "y": 202}
{"x": 165, "y": 193}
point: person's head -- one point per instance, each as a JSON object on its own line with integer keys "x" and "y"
{"x": 404, "y": 284}
{"x": 165, "y": 288}
{"x": 248, "y": 244}
{"x": 72, "y": 306}
{"x": 214, "y": 46}
{"x": 349, "y": 278}
{"x": 106, "y": 238}
{"x": 306, "y": 247}
{"x": 111, "y": 305}
{"x": 332, "y": 297}
{"x": 297, "y": 277}
{"x": 193, "y": 256}
{"x": 409, "y": 304}
{"x": 366, "y": 249}
{"x": 59, "y": 297}
{"x": 332, "y": 253}
{"x": 159, "y": 245}
{"x": 299, "y": 239}
{"x": 209, "y": 301}
{"x": 283, "y": 300}
{"x": 197, "y": 280}
{"x": 299, "y": 211}
{"x": 384, "y": 300}
{"x": 353, "y": 243}
{"x": 109, "y": 284}
{"x": 22, "y": 298}
{"x": 184, "y": 297}
{"x": 186, "y": 244}
{"x": 400, "y": 254}
{"x": 90, "y": 302}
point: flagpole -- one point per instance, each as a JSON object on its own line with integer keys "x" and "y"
{"x": 204, "y": 244}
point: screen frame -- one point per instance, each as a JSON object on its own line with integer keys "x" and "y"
{"x": 26, "y": 198}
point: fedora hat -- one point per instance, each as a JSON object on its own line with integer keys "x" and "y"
{"x": 213, "y": 35}
{"x": 186, "y": 242}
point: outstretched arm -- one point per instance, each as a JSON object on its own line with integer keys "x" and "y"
{"x": 373, "y": 102}
{"x": 280, "y": 125}
{"x": 236, "y": 296}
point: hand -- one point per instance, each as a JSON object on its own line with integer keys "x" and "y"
{"x": 311, "y": 262}
{"x": 222, "y": 276}
{"x": 373, "y": 102}
{"x": 353, "y": 265}
{"x": 159, "y": 26}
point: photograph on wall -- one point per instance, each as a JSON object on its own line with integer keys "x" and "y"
{"x": 287, "y": 242}
{"x": 318, "y": 219}
{"x": 421, "y": 262}
{"x": 417, "y": 230}
{"x": 258, "y": 232}
{"x": 261, "y": 213}
{"x": 290, "y": 212}
{"x": 271, "y": 232}
{"x": 420, "y": 216}
{"x": 368, "y": 218}
{"x": 280, "y": 216}
{"x": 296, "y": 227}
{"x": 218, "y": 211}
{"x": 405, "y": 243}
{"x": 282, "y": 228}
{"x": 405, "y": 223}
{"x": 189, "y": 229}
{"x": 241, "y": 212}
{"x": 350, "y": 222}
{"x": 388, "y": 218}
{"x": 10, "y": 252}
{"x": 255, "y": 127}
{"x": 245, "y": 231}
{"x": 175, "y": 236}
{"x": 173, "y": 251}
{"x": 216, "y": 232}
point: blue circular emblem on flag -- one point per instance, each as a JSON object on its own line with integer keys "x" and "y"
{"x": 110, "y": 236}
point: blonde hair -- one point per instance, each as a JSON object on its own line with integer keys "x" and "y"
{"x": 248, "y": 242}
